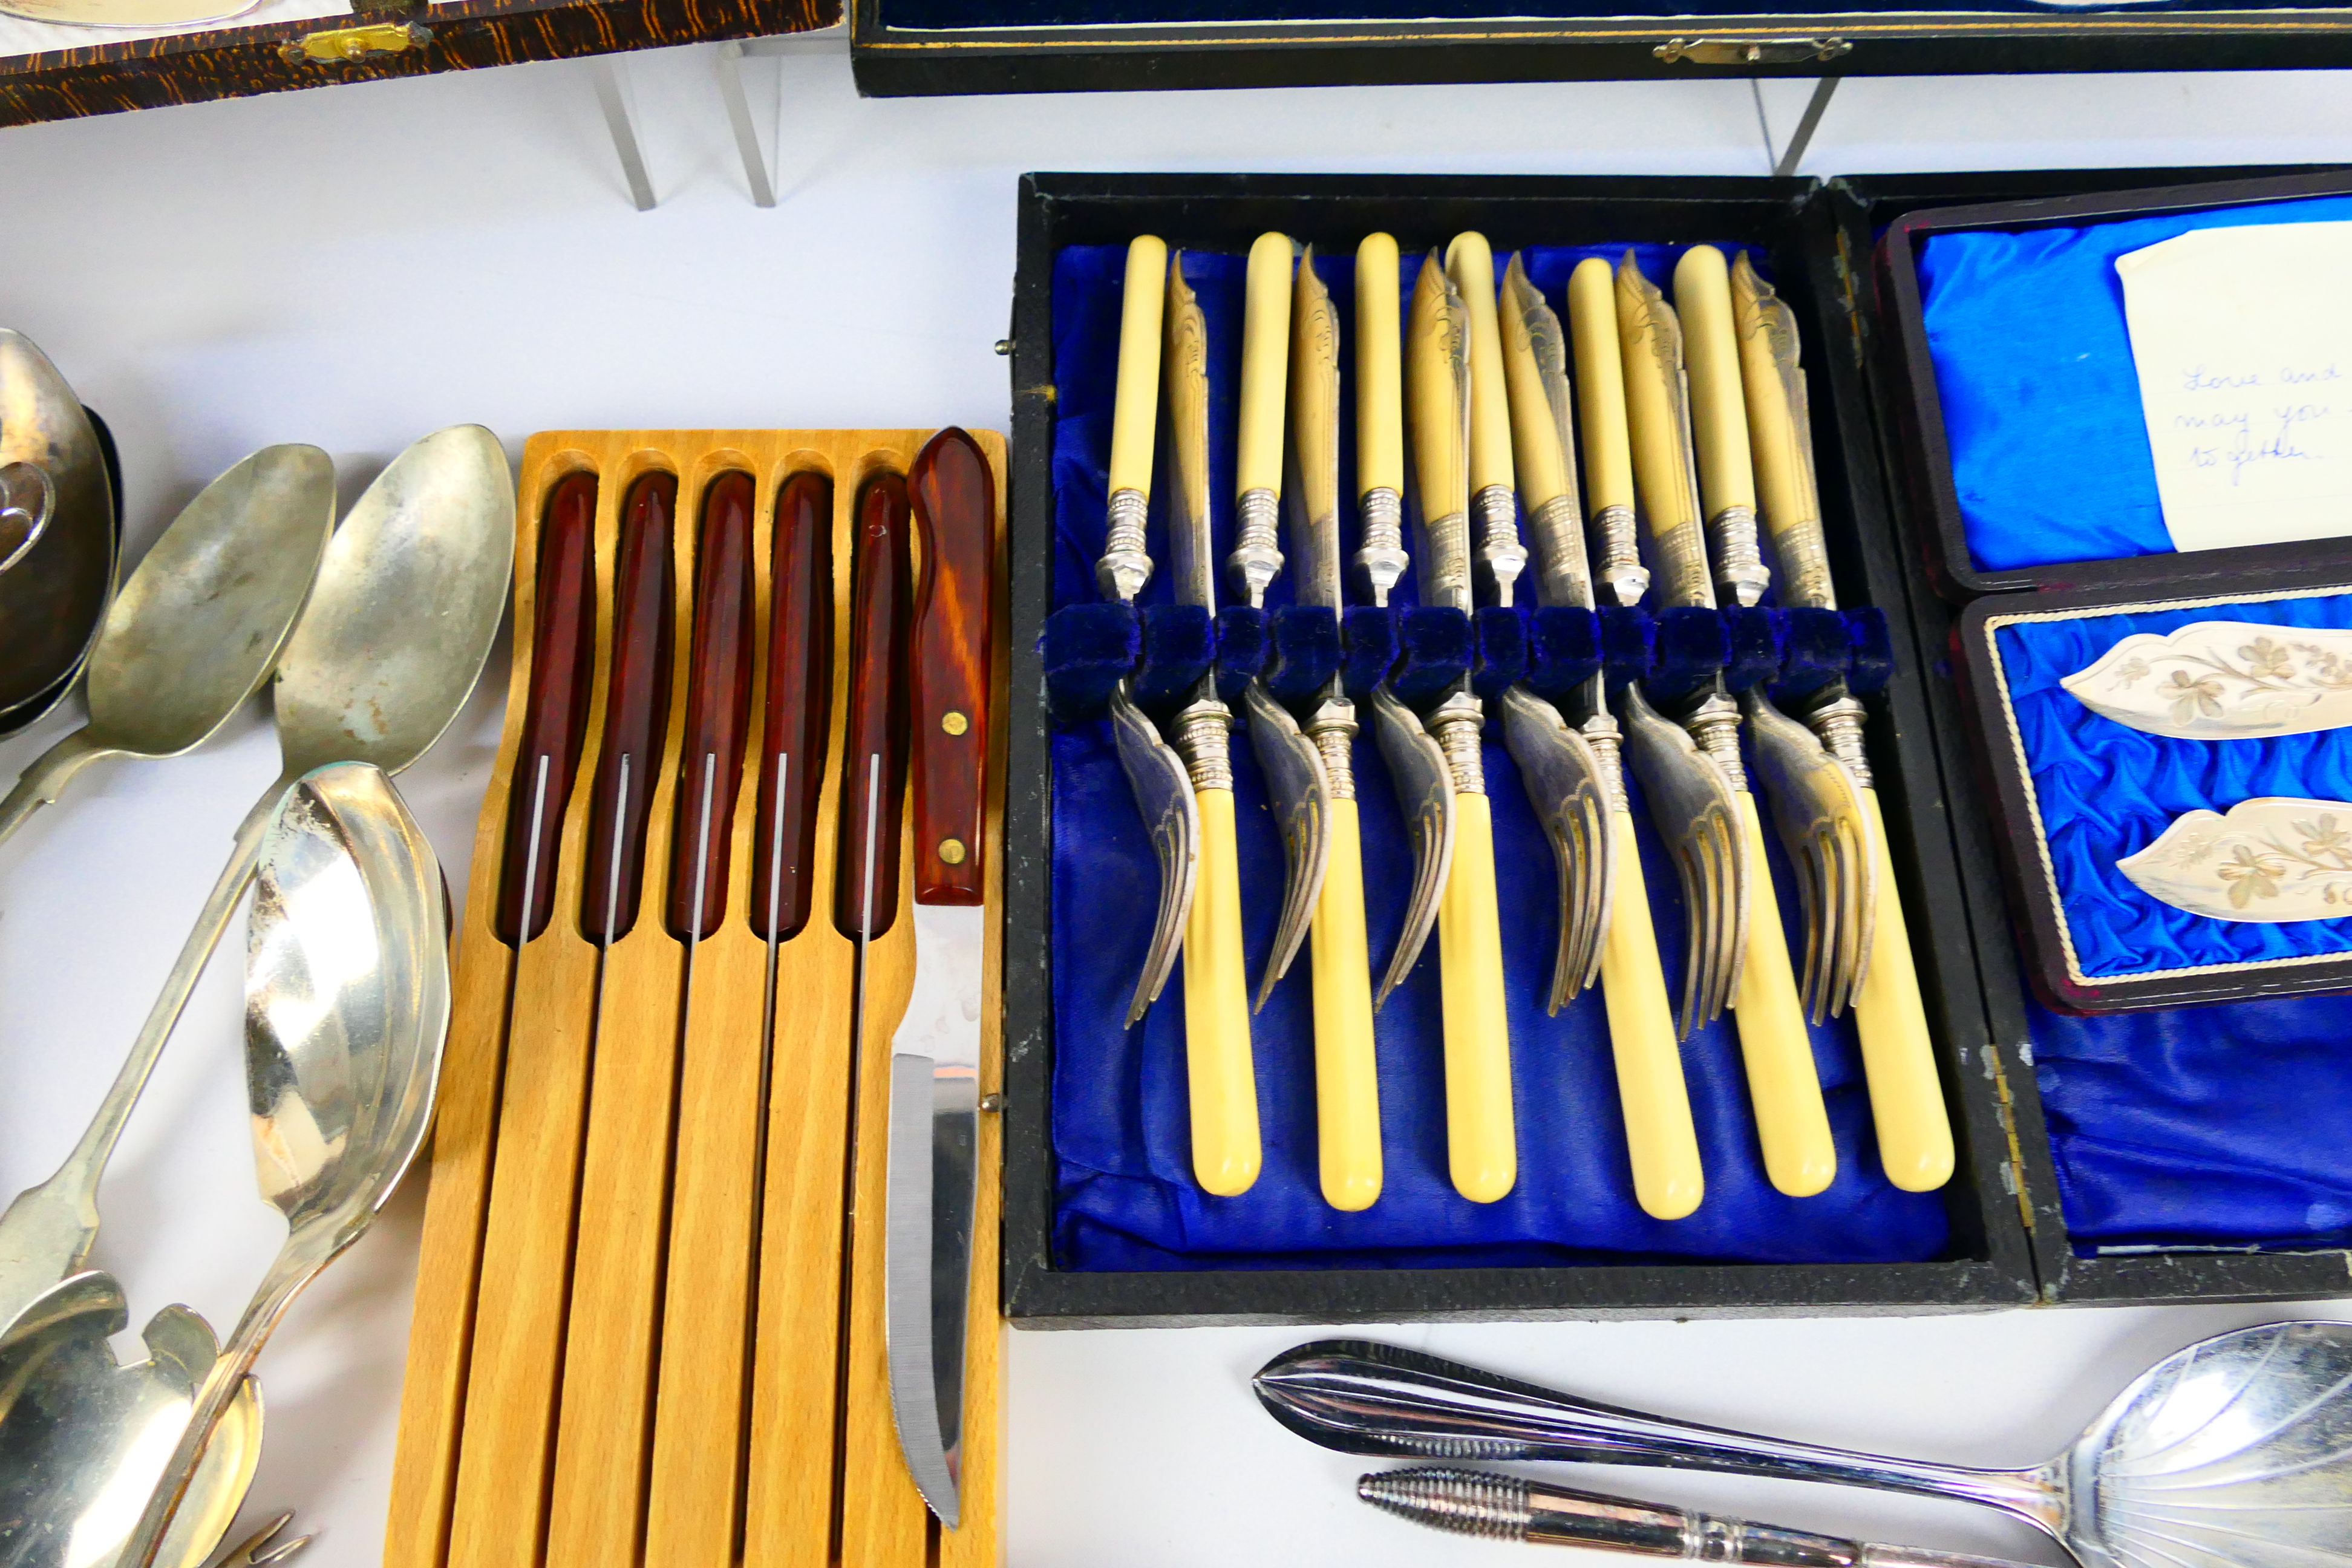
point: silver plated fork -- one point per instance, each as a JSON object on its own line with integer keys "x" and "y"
{"x": 1820, "y": 822}
{"x": 1691, "y": 801}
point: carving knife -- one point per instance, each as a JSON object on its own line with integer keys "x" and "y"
{"x": 1227, "y": 1153}
{"x": 1155, "y": 773}
{"x": 1785, "y": 1089}
{"x": 935, "y": 1056}
{"x": 1417, "y": 769}
{"x": 1347, "y": 1080}
{"x": 1668, "y": 1179}
{"x": 1298, "y": 789}
{"x": 1482, "y": 1150}
{"x": 1906, "y": 1103}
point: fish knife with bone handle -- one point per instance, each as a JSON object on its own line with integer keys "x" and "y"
{"x": 1906, "y": 1101}
{"x": 1784, "y": 1084}
{"x": 1481, "y": 1140}
{"x": 1571, "y": 770}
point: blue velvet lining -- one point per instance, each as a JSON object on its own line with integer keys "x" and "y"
{"x": 2041, "y": 401}
{"x": 2190, "y": 1126}
{"x": 2105, "y": 790}
{"x": 963, "y": 14}
{"x": 1126, "y": 1197}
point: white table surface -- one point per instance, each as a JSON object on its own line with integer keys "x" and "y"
{"x": 357, "y": 267}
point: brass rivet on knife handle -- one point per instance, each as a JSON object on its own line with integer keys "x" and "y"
{"x": 1608, "y": 459}
{"x": 798, "y": 707}
{"x": 1124, "y": 567}
{"x": 1719, "y": 425}
{"x": 1907, "y": 1102}
{"x": 1379, "y": 415}
{"x": 555, "y": 723}
{"x": 955, "y": 508}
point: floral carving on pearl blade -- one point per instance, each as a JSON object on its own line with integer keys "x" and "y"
{"x": 2221, "y": 681}
{"x": 2273, "y": 859}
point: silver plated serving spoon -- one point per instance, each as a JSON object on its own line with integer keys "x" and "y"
{"x": 407, "y": 603}
{"x": 2233, "y": 1453}
{"x": 346, "y": 1007}
{"x": 198, "y": 626}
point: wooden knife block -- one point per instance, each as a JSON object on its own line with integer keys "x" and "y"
{"x": 647, "y": 1329}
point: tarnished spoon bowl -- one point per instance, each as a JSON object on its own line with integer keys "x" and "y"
{"x": 198, "y": 626}
{"x": 83, "y": 1440}
{"x": 58, "y": 585}
{"x": 2230, "y": 1453}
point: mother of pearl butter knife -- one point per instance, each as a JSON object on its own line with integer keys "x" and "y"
{"x": 2273, "y": 859}
{"x": 2223, "y": 681}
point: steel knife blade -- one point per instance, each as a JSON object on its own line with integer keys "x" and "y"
{"x": 934, "y": 1151}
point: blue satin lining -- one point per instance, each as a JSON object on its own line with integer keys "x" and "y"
{"x": 1126, "y": 1198}
{"x": 2105, "y": 790}
{"x": 2220, "y": 1125}
{"x": 2041, "y": 400}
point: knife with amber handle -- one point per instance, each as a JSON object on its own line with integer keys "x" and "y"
{"x": 935, "y": 1056}
{"x": 1907, "y": 1102}
{"x": 1481, "y": 1136}
{"x": 1347, "y": 1081}
{"x": 1783, "y": 1083}
{"x": 1219, "y": 1070}
{"x": 1587, "y": 814}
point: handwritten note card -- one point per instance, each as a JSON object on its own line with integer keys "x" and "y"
{"x": 2242, "y": 338}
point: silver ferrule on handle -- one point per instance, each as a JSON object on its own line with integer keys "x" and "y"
{"x": 1446, "y": 561}
{"x": 1203, "y": 738}
{"x": 1838, "y": 722}
{"x": 1608, "y": 742}
{"x": 1381, "y": 556}
{"x": 1333, "y": 729}
{"x": 1499, "y": 549}
{"x": 1458, "y": 723}
{"x": 1741, "y": 574}
{"x": 1124, "y": 567}
{"x": 1617, "y": 536}
{"x": 1562, "y": 578}
{"x": 1804, "y": 564}
{"x": 1256, "y": 559}
{"x": 1715, "y": 725}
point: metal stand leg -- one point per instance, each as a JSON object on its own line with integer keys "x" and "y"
{"x": 624, "y": 134}
{"x": 739, "y": 116}
{"x": 1785, "y": 163}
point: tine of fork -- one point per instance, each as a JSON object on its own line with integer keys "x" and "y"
{"x": 1596, "y": 889}
{"x": 1691, "y": 874}
{"x": 1710, "y": 961}
{"x": 1813, "y": 909}
{"x": 1854, "y": 857}
{"x": 1838, "y": 873}
{"x": 1726, "y": 852}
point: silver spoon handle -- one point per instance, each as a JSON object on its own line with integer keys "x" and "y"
{"x": 1514, "y": 1507}
{"x": 1363, "y": 1398}
{"x": 48, "y": 1230}
{"x": 297, "y": 1264}
{"x": 46, "y": 778}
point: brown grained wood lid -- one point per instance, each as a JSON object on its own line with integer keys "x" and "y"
{"x": 239, "y": 62}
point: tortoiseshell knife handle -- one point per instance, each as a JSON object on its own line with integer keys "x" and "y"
{"x": 954, "y": 496}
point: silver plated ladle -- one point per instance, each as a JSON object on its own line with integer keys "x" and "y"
{"x": 2233, "y": 1453}
{"x": 346, "y": 1007}
{"x": 198, "y": 626}
{"x": 408, "y": 601}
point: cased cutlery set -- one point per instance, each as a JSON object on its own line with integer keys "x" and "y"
{"x": 713, "y": 1184}
{"x": 1681, "y": 413}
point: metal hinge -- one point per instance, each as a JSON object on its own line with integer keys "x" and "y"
{"x": 337, "y": 45}
{"x": 1751, "y": 51}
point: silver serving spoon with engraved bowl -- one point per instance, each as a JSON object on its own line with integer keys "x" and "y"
{"x": 407, "y": 603}
{"x": 198, "y": 626}
{"x": 2233, "y": 1453}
